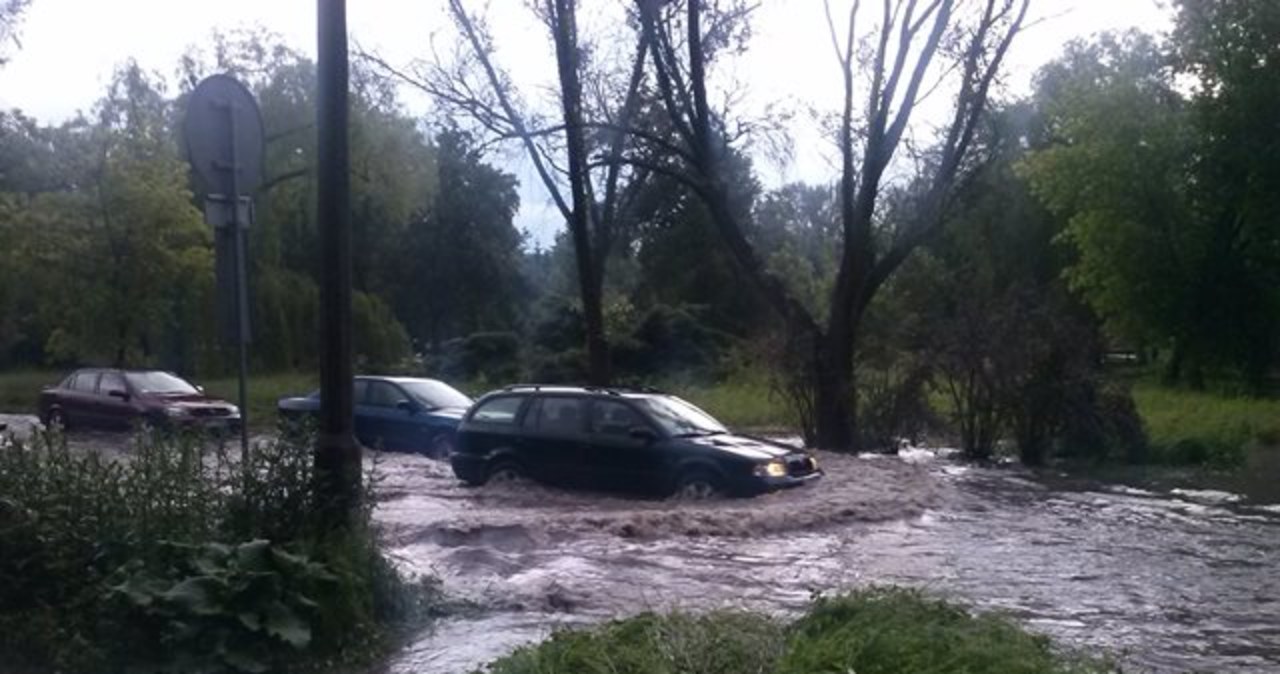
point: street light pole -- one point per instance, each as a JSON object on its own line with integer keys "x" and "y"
{"x": 337, "y": 458}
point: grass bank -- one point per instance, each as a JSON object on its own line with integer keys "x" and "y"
{"x": 1190, "y": 427}
{"x": 876, "y": 631}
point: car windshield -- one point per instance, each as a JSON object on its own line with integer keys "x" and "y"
{"x": 678, "y": 417}
{"x": 160, "y": 383}
{"x": 434, "y": 394}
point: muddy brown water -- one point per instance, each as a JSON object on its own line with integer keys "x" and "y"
{"x": 1167, "y": 576}
{"x": 1170, "y": 579}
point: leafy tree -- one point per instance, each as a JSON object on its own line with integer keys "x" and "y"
{"x": 461, "y": 259}
{"x": 1232, "y": 49}
{"x": 1165, "y": 199}
{"x": 115, "y": 244}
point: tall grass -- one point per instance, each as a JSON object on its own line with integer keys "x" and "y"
{"x": 744, "y": 402}
{"x": 263, "y": 392}
{"x": 20, "y": 389}
{"x": 876, "y": 631}
{"x": 1200, "y": 427}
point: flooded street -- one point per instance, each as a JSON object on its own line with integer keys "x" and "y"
{"x": 1170, "y": 580}
{"x": 1168, "y": 576}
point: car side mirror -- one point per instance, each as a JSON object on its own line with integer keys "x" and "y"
{"x": 643, "y": 434}
{"x": 123, "y": 395}
{"x": 407, "y": 406}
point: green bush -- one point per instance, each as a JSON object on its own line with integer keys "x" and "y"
{"x": 175, "y": 557}
{"x": 899, "y": 631}
{"x": 876, "y": 631}
{"x": 244, "y": 608}
{"x": 719, "y": 643}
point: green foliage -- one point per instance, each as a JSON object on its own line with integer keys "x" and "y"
{"x": 1189, "y": 427}
{"x": 876, "y": 631}
{"x": 718, "y": 643}
{"x": 1169, "y": 198}
{"x": 460, "y": 259}
{"x": 489, "y": 356}
{"x": 891, "y": 631}
{"x": 176, "y": 558}
{"x": 224, "y": 608}
{"x": 380, "y": 342}
{"x": 744, "y": 400}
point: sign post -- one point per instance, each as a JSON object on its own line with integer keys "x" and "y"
{"x": 223, "y": 131}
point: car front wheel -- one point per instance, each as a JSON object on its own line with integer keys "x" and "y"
{"x": 506, "y": 472}
{"x": 57, "y": 421}
{"x": 441, "y": 447}
{"x": 698, "y": 485}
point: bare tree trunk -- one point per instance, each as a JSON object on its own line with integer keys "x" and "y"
{"x": 834, "y": 408}
{"x": 590, "y": 284}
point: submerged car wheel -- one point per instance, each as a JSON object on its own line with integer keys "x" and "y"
{"x": 441, "y": 447}
{"x": 57, "y": 421}
{"x": 698, "y": 485}
{"x": 506, "y": 472}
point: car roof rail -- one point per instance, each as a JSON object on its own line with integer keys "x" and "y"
{"x": 607, "y": 390}
{"x": 522, "y": 387}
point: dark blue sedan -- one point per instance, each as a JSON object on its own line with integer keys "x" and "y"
{"x": 401, "y": 414}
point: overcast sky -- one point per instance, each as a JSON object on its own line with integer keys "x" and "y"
{"x": 69, "y": 48}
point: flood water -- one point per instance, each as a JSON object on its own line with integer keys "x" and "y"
{"x": 1167, "y": 579}
{"x": 1173, "y": 574}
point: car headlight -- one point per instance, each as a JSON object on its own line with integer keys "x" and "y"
{"x": 772, "y": 469}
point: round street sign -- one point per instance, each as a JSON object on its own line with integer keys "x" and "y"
{"x": 221, "y": 111}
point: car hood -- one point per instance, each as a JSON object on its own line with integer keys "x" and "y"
{"x": 745, "y": 446}
{"x": 192, "y": 400}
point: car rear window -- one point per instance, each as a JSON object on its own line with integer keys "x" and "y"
{"x": 498, "y": 410}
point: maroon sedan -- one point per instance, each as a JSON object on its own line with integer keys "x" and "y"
{"x": 126, "y": 399}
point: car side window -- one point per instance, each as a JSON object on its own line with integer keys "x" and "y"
{"x": 86, "y": 382}
{"x": 498, "y": 410}
{"x": 382, "y": 394}
{"x": 561, "y": 415}
{"x": 111, "y": 381}
{"x": 613, "y": 418}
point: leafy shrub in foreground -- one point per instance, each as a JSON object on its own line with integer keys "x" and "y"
{"x": 224, "y": 608}
{"x": 173, "y": 556}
